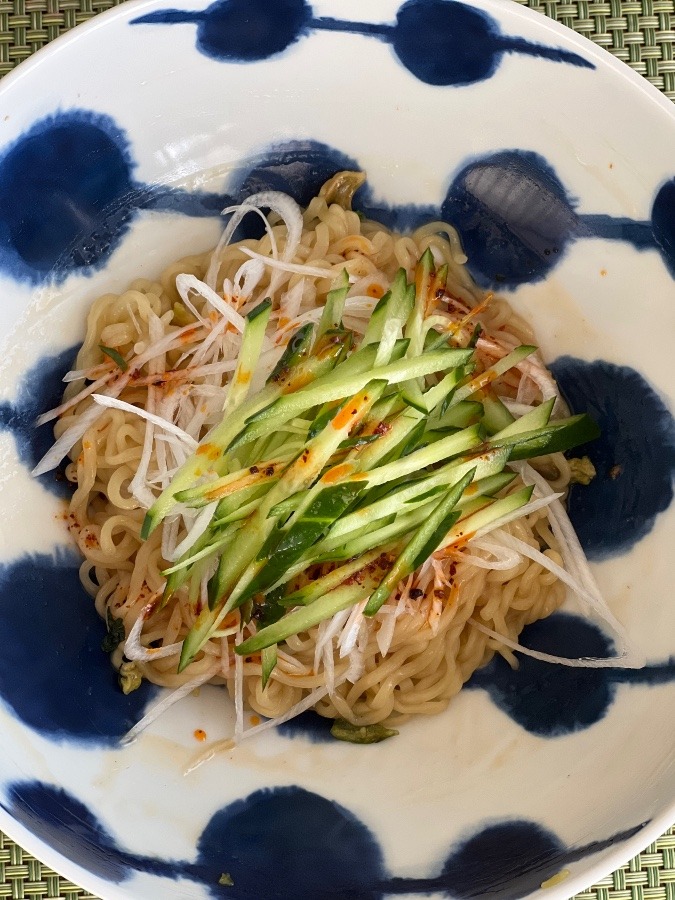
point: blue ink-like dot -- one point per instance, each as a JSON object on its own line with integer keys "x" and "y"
{"x": 59, "y": 181}
{"x": 506, "y": 860}
{"x": 308, "y": 725}
{"x": 296, "y": 844}
{"x": 663, "y": 223}
{"x": 40, "y": 389}
{"x": 547, "y": 699}
{"x": 514, "y": 217}
{"x": 241, "y": 30}
{"x": 53, "y": 673}
{"x": 67, "y": 197}
{"x": 296, "y": 168}
{"x": 69, "y": 827}
{"x": 445, "y": 43}
{"x": 300, "y": 168}
{"x": 634, "y": 456}
{"x": 251, "y": 30}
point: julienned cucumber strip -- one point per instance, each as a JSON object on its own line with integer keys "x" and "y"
{"x": 531, "y": 421}
{"x": 307, "y": 616}
{"x": 489, "y": 375}
{"x": 332, "y": 579}
{"x": 339, "y": 387}
{"x": 487, "y": 464}
{"x": 331, "y": 317}
{"x": 563, "y": 434}
{"x": 249, "y": 354}
{"x": 228, "y": 579}
{"x": 210, "y": 453}
{"x": 283, "y": 548}
{"x": 465, "y": 413}
{"x": 296, "y": 349}
{"x": 452, "y": 445}
{"x": 360, "y": 363}
{"x": 496, "y": 416}
{"x": 422, "y": 544}
{"x": 399, "y": 307}
{"x": 297, "y": 477}
{"x": 466, "y": 527}
{"x": 268, "y": 659}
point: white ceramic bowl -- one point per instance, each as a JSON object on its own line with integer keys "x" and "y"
{"x": 116, "y": 146}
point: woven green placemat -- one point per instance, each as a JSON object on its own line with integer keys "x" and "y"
{"x": 648, "y": 876}
{"x": 641, "y": 33}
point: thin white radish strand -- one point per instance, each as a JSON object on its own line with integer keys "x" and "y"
{"x": 294, "y": 268}
{"x": 76, "y": 431}
{"x": 187, "y": 283}
{"x": 583, "y": 662}
{"x": 501, "y": 558}
{"x": 195, "y": 531}
{"x": 577, "y": 564}
{"x": 135, "y": 651}
{"x": 138, "y": 486}
{"x": 115, "y": 403}
{"x": 281, "y": 204}
{"x": 167, "y": 702}
{"x": 524, "y": 549}
{"x": 229, "y": 743}
{"x": 52, "y": 414}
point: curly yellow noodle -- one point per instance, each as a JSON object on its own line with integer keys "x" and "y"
{"x": 429, "y": 659}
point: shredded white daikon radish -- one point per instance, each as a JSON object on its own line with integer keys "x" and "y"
{"x": 167, "y": 702}
{"x": 347, "y": 640}
{"x": 290, "y": 302}
{"x": 501, "y": 558}
{"x": 114, "y": 403}
{"x": 327, "y": 630}
{"x": 92, "y": 373}
{"x": 187, "y": 283}
{"x": 307, "y": 703}
{"x": 294, "y": 268}
{"x": 524, "y": 549}
{"x": 584, "y": 662}
{"x": 68, "y": 439}
{"x": 75, "y": 432}
{"x": 138, "y": 486}
{"x": 195, "y": 531}
{"x": 238, "y": 690}
{"x": 69, "y": 404}
{"x": 134, "y": 650}
{"x": 577, "y": 564}
{"x": 247, "y": 277}
{"x": 283, "y": 205}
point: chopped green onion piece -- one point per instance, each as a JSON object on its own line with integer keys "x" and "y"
{"x": 115, "y": 356}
